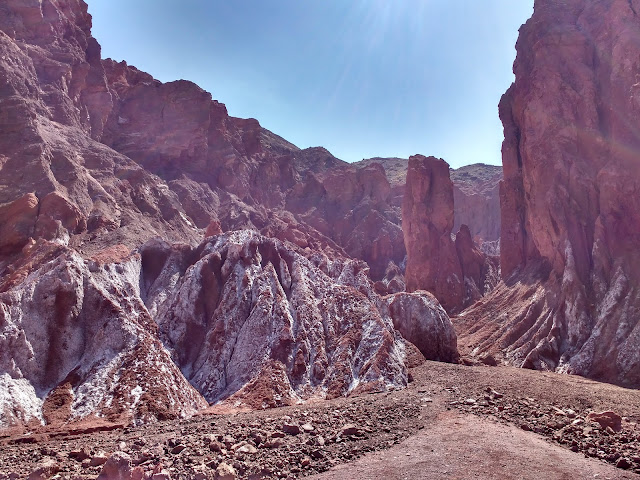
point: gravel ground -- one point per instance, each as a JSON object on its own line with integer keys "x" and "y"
{"x": 308, "y": 439}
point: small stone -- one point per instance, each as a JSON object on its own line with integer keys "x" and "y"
{"x": 307, "y": 427}
{"x": 493, "y": 393}
{"x": 623, "y": 463}
{"x": 215, "y": 446}
{"x": 80, "y": 454}
{"x": 274, "y": 443}
{"x": 226, "y": 472}
{"x": 247, "y": 448}
{"x": 46, "y": 469}
{"x": 117, "y": 466}
{"x": 161, "y": 475}
{"x": 470, "y": 401}
{"x": 291, "y": 428}
{"x": 607, "y": 419}
{"x": 98, "y": 460}
{"x": 349, "y": 429}
{"x": 258, "y": 436}
{"x": 228, "y": 440}
{"x": 177, "y": 449}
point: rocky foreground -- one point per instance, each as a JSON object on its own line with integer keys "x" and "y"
{"x": 303, "y": 440}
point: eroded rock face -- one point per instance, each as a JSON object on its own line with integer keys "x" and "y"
{"x": 241, "y": 318}
{"x": 246, "y": 310}
{"x": 76, "y": 340}
{"x": 427, "y": 220}
{"x": 570, "y": 208}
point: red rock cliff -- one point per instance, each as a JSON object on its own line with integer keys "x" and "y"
{"x": 427, "y": 220}
{"x": 570, "y": 203}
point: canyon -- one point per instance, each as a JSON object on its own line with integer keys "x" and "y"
{"x": 165, "y": 263}
{"x": 158, "y": 255}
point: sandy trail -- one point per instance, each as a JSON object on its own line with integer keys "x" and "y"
{"x": 462, "y": 446}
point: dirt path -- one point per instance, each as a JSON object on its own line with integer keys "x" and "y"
{"x": 462, "y": 446}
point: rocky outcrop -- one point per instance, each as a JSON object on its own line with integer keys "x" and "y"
{"x": 248, "y": 318}
{"x": 475, "y": 193}
{"x": 476, "y": 198}
{"x": 241, "y": 319}
{"x": 427, "y": 220}
{"x": 76, "y": 340}
{"x": 570, "y": 209}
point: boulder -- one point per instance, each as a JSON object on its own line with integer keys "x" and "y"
{"x": 420, "y": 319}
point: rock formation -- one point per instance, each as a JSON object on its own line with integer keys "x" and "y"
{"x": 475, "y": 193}
{"x": 243, "y": 310}
{"x": 570, "y": 204}
{"x": 111, "y": 302}
{"x": 76, "y": 340}
{"x": 427, "y": 220}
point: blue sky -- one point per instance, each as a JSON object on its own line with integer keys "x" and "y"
{"x": 362, "y": 78}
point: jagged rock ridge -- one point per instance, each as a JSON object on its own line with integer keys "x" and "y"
{"x": 242, "y": 317}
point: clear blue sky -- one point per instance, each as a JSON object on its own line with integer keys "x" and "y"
{"x": 362, "y": 78}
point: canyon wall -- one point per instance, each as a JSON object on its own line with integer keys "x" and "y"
{"x": 569, "y": 199}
